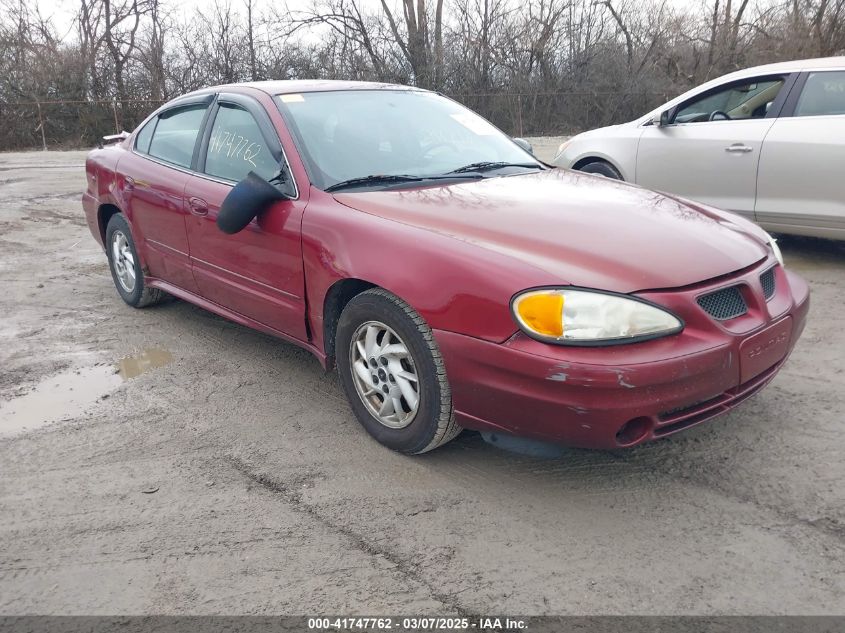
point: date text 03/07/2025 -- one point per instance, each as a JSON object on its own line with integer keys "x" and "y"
{"x": 355, "y": 623}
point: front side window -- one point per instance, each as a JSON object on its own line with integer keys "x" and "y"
{"x": 823, "y": 94}
{"x": 349, "y": 134}
{"x": 237, "y": 147}
{"x": 748, "y": 100}
{"x": 176, "y": 134}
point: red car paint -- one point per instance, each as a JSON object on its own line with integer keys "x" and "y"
{"x": 457, "y": 254}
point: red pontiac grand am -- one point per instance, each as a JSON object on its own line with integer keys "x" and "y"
{"x": 454, "y": 280}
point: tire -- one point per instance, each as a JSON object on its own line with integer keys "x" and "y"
{"x": 408, "y": 429}
{"x": 123, "y": 257}
{"x": 602, "y": 169}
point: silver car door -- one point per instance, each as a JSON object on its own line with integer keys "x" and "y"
{"x": 710, "y": 149}
{"x": 801, "y": 179}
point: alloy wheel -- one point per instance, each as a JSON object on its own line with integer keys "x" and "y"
{"x": 384, "y": 374}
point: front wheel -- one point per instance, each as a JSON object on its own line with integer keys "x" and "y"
{"x": 602, "y": 169}
{"x": 393, "y": 374}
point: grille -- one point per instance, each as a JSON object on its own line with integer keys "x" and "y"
{"x": 724, "y": 304}
{"x": 768, "y": 281}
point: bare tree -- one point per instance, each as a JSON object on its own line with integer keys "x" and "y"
{"x": 121, "y": 20}
{"x": 530, "y": 65}
{"x": 422, "y": 49}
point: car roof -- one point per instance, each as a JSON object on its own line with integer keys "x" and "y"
{"x": 800, "y": 65}
{"x": 820, "y": 63}
{"x": 288, "y": 86}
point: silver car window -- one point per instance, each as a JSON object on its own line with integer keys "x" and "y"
{"x": 748, "y": 100}
{"x": 823, "y": 94}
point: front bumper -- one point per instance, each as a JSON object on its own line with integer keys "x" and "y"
{"x": 607, "y": 397}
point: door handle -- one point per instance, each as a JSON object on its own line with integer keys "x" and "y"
{"x": 739, "y": 148}
{"x": 198, "y": 206}
{"x": 128, "y": 183}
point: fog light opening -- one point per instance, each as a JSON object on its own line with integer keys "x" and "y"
{"x": 633, "y": 431}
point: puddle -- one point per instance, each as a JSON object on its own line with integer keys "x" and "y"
{"x": 61, "y": 396}
{"x": 68, "y": 394}
{"x": 135, "y": 365}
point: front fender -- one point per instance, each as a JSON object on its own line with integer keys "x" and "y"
{"x": 616, "y": 145}
{"x": 454, "y": 285}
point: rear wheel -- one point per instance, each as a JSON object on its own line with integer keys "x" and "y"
{"x": 602, "y": 169}
{"x": 393, "y": 374}
{"x": 125, "y": 266}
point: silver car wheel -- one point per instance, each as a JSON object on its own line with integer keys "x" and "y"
{"x": 384, "y": 374}
{"x": 123, "y": 261}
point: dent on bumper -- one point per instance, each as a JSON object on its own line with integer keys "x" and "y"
{"x": 584, "y": 396}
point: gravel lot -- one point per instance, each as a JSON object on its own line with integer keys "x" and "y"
{"x": 221, "y": 471}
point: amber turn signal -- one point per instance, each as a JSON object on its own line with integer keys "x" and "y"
{"x": 541, "y": 312}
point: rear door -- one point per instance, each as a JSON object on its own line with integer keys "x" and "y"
{"x": 710, "y": 150}
{"x": 801, "y": 180}
{"x": 154, "y": 176}
{"x": 257, "y": 272}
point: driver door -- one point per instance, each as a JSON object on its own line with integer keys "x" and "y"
{"x": 258, "y": 271}
{"x": 710, "y": 150}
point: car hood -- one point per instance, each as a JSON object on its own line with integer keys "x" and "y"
{"x": 579, "y": 229}
{"x": 608, "y": 130}
{"x": 600, "y": 131}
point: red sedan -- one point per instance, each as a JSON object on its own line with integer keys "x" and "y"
{"x": 454, "y": 280}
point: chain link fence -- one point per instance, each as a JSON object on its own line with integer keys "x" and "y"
{"x": 559, "y": 113}
{"x": 67, "y": 124}
{"x": 81, "y": 124}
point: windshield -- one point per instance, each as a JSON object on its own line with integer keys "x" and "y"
{"x": 357, "y": 134}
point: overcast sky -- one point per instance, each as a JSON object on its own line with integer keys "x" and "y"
{"x": 61, "y": 11}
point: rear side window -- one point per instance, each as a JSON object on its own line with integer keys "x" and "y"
{"x": 237, "y": 146}
{"x": 143, "y": 138}
{"x": 176, "y": 134}
{"x": 823, "y": 94}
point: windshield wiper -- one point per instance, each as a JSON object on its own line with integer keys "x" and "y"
{"x": 388, "y": 179}
{"x": 487, "y": 165}
{"x": 374, "y": 179}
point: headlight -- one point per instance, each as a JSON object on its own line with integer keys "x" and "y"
{"x": 776, "y": 249}
{"x": 562, "y": 147}
{"x": 588, "y": 317}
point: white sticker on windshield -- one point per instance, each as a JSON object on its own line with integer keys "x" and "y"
{"x": 295, "y": 98}
{"x": 474, "y": 123}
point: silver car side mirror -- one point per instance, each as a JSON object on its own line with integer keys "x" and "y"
{"x": 663, "y": 118}
{"x": 524, "y": 145}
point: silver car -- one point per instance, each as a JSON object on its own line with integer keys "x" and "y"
{"x": 767, "y": 143}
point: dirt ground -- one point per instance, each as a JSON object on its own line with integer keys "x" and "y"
{"x": 195, "y": 466}
{"x": 545, "y": 147}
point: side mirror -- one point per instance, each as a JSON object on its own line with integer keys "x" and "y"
{"x": 662, "y": 119}
{"x": 524, "y": 145}
{"x": 245, "y": 201}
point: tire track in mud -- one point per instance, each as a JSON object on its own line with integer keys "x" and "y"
{"x": 615, "y": 477}
{"x": 827, "y": 526}
{"x": 291, "y": 494}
